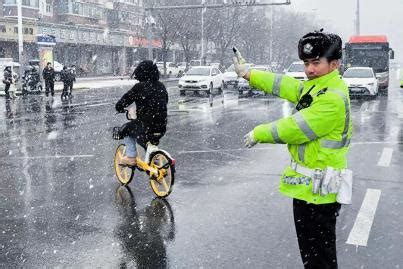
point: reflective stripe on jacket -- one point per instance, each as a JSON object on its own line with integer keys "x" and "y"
{"x": 317, "y": 136}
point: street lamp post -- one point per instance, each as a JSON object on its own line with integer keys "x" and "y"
{"x": 202, "y": 34}
{"x": 357, "y": 19}
{"x": 20, "y": 42}
{"x": 149, "y": 24}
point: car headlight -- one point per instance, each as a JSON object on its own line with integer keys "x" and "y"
{"x": 371, "y": 84}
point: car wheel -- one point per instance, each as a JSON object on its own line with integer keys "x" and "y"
{"x": 182, "y": 93}
{"x": 57, "y": 77}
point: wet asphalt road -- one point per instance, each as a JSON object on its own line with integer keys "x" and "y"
{"x": 61, "y": 206}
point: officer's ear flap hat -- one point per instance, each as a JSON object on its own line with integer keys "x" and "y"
{"x": 318, "y": 44}
{"x": 146, "y": 70}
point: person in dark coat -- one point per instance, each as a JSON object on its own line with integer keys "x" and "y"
{"x": 151, "y": 99}
{"x": 48, "y": 75}
{"x": 65, "y": 77}
{"x": 73, "y": 75}
{"x": 7, "y": 80}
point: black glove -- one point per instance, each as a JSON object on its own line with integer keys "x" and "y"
{"x": 120, "y": 109}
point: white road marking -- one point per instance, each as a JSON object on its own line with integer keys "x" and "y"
{"x": 375, "y": 143}
{"x": 50, "y": 157}
{"x": 360, "y": 232}
{"x": 219, "y": 150}
{"x": 386, "y": 157}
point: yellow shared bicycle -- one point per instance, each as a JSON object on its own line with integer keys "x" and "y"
{"x": 157, "y": 164}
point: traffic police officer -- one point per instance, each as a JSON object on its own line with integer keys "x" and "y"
{"x": 317, "y": 134}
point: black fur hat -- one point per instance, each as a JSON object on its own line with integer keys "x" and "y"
{"x": 146, "y": 70}
{"x": 319, "y": 44}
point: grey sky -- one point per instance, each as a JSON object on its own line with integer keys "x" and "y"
{"x": 377, "y": 17}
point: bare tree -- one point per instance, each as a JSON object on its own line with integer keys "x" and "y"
{"x": 222, "y": 28}
{"x": 168, "y": 25}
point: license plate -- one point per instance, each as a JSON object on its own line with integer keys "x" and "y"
{"x": 355, "y": 89}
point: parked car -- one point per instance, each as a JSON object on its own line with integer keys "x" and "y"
{"x": 172, "y": 69}
{"x": 195, "y": 63}
{"x": 361, "y": 81}
{"x": 201, "y": 78}
{"x": 230, "y": 77}
{"x": 296, "y": 70}
{"x": 243, "y": 85}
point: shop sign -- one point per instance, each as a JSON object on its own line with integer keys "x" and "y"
{"x": 142, "y": 42}
{"x": 83, "y": 36}
{"x": 46, "y": 40}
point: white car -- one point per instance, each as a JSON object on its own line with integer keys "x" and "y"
{"x": 361, "y": 81}
{"x": 243, "y": 84}
{"x": 201, "y": 78}
{"x": 172, "y": 69}
{"x": 230, "y": 77}
{"x": 296, "y": 70}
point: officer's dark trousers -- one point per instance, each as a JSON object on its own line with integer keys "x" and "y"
{"x": 49, "y": 86}
{"x": 316, "y": 231}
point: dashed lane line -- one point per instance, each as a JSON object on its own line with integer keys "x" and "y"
{"x": 386, "y": 157}
{"x": 362, "y": 226}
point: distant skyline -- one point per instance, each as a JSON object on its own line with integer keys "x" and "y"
{"x": 376, "y": 17}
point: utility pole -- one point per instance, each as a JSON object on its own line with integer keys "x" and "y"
{"x": 357, "y": 19}
{"x": 20, "y": 42}
{"x": 202, "y": 34}
{"x": 271, "y": 36}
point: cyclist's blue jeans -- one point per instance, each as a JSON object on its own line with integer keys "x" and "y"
{"x": 130, "y": 143}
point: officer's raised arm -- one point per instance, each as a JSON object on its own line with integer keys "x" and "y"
{"x": 277, "y": 84}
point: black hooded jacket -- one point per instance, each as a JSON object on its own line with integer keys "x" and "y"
{"x": 150, "y": 97}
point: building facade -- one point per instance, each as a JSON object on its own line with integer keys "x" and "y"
{"x": 98, "y": 36}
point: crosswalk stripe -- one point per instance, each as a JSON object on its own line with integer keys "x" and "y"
{"x": 362, "y": 226}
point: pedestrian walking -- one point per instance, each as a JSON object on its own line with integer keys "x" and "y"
{"x": 65, "y": 77}
{"x": 318, "y": 135}
{"x": 72, "y": 79}
{"x": 13, "y": 88}
{"x": 7, "y": 80}
{"x": 48, "y": 75}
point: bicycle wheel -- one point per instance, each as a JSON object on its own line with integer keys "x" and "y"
{"x": 123, "y": 173}
{"x": 162, "y": 185}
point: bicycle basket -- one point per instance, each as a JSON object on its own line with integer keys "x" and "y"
{"x": 116, "y": 134}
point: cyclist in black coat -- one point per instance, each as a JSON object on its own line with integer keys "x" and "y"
{"x": 151, "y": 99}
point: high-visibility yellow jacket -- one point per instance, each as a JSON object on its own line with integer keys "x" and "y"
{"x": 317, "y": 136}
